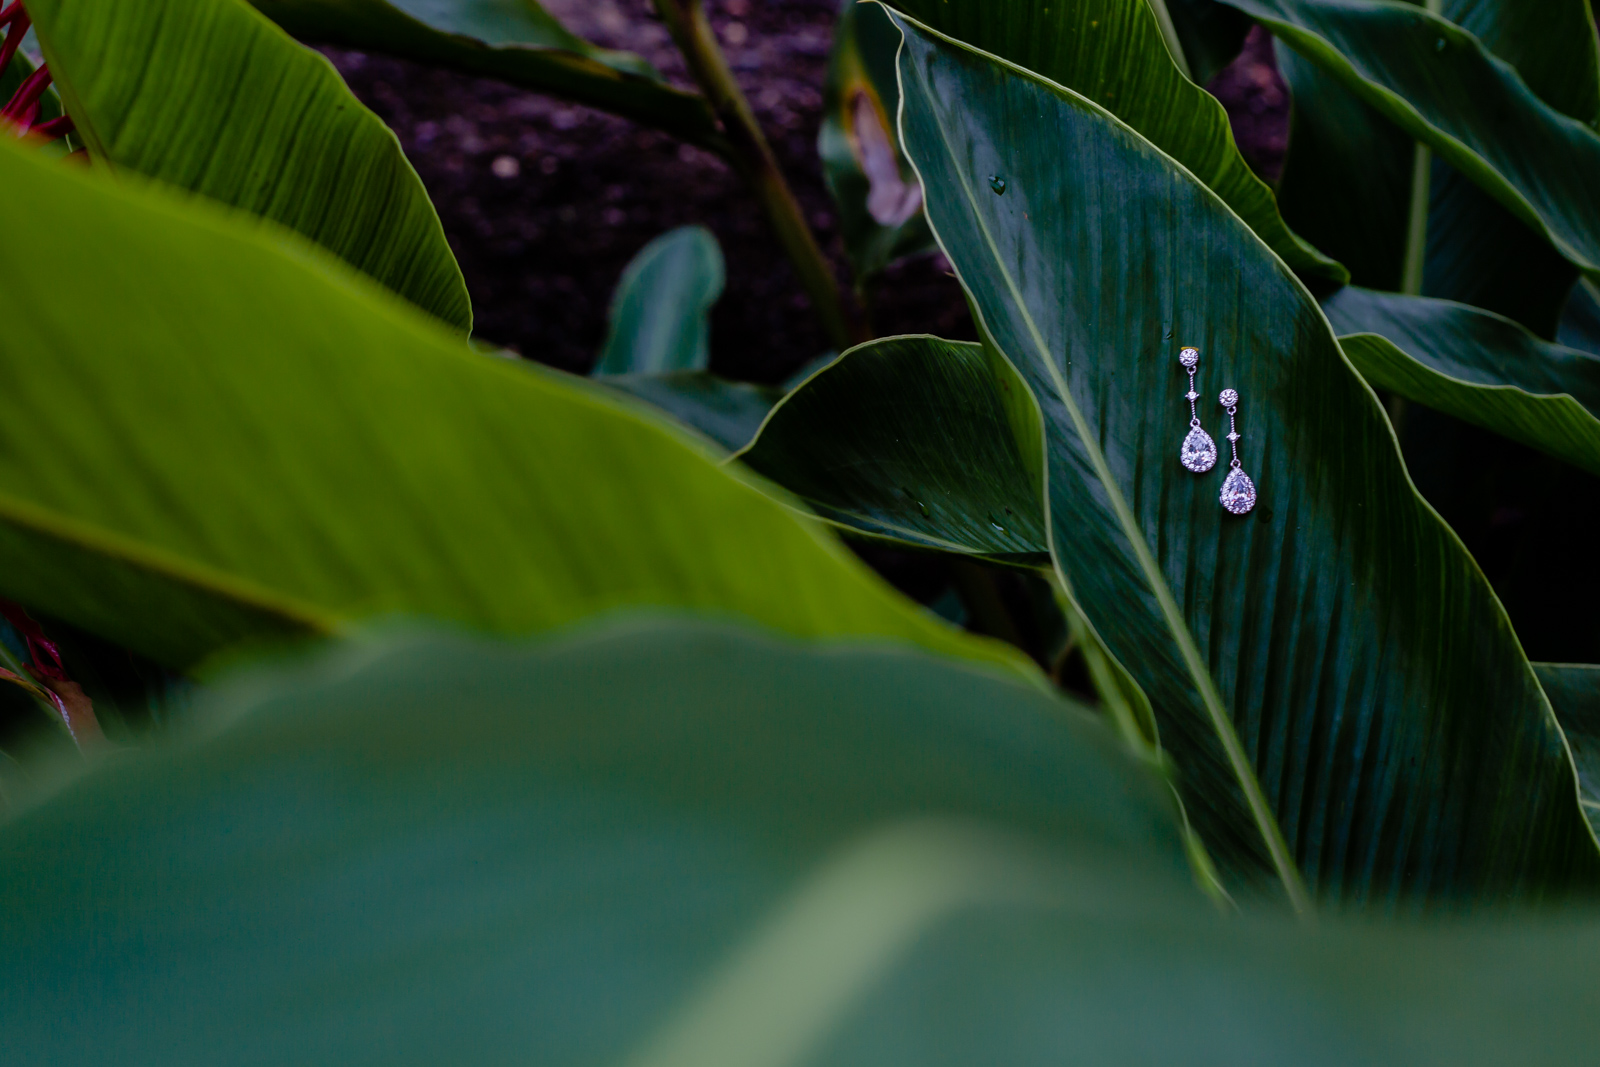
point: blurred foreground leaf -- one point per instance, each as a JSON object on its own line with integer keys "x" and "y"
{"x": 211, "y": 434}
{"x": 685, "y": 844}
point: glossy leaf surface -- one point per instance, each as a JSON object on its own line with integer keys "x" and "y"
{"x": 910, "y": 438}
{"x": 729, "y": 413}
{"x": 1477, "y": 366}
{"x": 1441, "y": 85}
{"x": 515, "y": 41}
{"x": 1111, "y": 51}
{"x": 659, "y": 317}
{"x": 210, "y": 97}
{"x": 673, "y": 844}
{"x": 1335, "y": 680}
{"x": 210, "y": 434}
{"x": 1574, "y": 691}
{"x": 880, "y": 203}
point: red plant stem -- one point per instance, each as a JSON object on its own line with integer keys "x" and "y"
{"x": 10, "y": 11}
{"x": 27, "y": 95}
{"x": 19, "y": 29}
{"x": 59, "y": 126}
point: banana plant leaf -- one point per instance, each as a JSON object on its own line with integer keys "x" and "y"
{"x": 911, "y": 439}
{"x": 659, "y": 317}
{"x": 879, "y": 201}
{"x": 674, "y": 843}
{"x": 210, "y": 434}
{"x": 210, "y": 97}
{"x": 1580, "y": 319}
{"x": 1339, "y": 688}
{"x": 1347, "y": 179}
{"x": 1441, "y": 85}
{"x": 1478, "y": 366}
{"x": 514, "y": 41}
{"x": 1574, "y": 691}
{"x": 1112, "y": 52}
{"x": 729, "y": 413}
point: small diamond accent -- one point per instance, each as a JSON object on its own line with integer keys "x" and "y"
{"x": 1233, "y": 437}
{"x": 1199, "y": 452}
{"x": 1191, "y": 395}
{"x": 1238, "y": 493}
{"x": 1189, "y": 356}
{"x": 1228, "y": 398}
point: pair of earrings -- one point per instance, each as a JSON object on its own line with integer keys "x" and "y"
{"x": 1199, "y": 452}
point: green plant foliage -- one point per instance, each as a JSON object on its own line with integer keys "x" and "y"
{"x": 516, "y": 41}
{"x": 240, "y": 113}
{"x": 671, "y": 843}
{"x": 1211, "y": 35}
{"x": 660, "y": 310}
{"x": 1347, "y": 179}
{"x": 248, "y": 441}
{"x": 1112, "y": 52}
{"x": 910, "y": 438}
{"x": 880, "y": 204}
{"x": 1476, "y": 365}
{"x": 1336, "y": 682}
{"x": 1574, "y": 691}
{"x": 729, "y": 413}
{"x": 1440, "y": 84}
{"x": 1580, "y": 319}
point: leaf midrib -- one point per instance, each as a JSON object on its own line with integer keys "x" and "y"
{"x": 1221, "y": 721}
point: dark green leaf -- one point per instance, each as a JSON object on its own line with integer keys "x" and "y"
{"x": 1574, "y": 692}
{"x": 1580, "y": 319}
{"x": 1441, "y": 85}
{"x": 515, "y": 41}
{"x": 729, "y": 413}
{"x": 1112, "y": 52}
{"x": 880, "y": 204}
{"x": 911, "y": 438}
{"x": 209, "y": 96}
{"x": 659, "y": 318}
{"x": 1334, "y": 678}
{"x": 666, "y": 844}
{"x": 211, "y": 434}
{"x": 1478, "y": 366}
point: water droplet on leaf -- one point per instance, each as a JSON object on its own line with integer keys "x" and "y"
{"x": 998, "y": 184}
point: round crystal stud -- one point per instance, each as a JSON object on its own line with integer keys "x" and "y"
{"x": 1189, "y": 357}
{"x": 1228, "y": 398}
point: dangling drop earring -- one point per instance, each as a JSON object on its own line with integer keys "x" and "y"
{"x": 1199, "y": 452}
{"x": 1238, "y": 491}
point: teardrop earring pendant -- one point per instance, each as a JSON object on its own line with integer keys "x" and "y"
{"x": 1199, "y": 452}
{"x": 1238, "y": 491}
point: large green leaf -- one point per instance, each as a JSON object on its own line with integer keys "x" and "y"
{"x": 1112, "y": 52}
{"x": 1340, "y": 689}
{"x": 209, "y": 96}
{"x": 690, "y": 845}
{"x": 208, "y": 435}
{"x": 911, "y": 438}
{"x": 1477, "y": 366}
{"x": 1441, "y": 85}
{"x": 1580, "y": 319}
{"x": 729, "y": 413}
{"x": 880, "y": 204}
{"x": 660, "y": 312}
{"x": 1574, "y": 691}
{"x": 515, "y": 41}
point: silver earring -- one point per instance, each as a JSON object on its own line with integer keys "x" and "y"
{"x": 1238, "y": 491}
{"x": 1199, "y": 452}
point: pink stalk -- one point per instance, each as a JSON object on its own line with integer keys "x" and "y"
{"x": 19, "y": 29}
{"x": 27, "y": 96}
